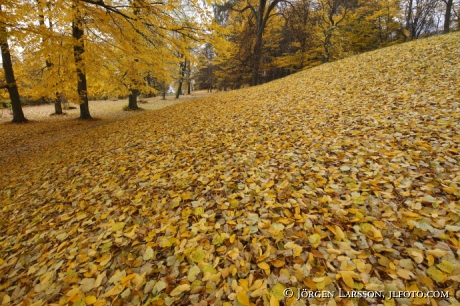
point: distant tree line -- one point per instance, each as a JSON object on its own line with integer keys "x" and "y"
{"x": 270, "y": 39}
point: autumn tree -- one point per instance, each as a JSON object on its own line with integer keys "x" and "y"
{"x": 46, "y": 39}
{"x": 447, "y": 15}
{"x": 372, "y": 25}
{"x": 10, "y": 80}
{"x": 419, "y": 17}
{"x": 260, "y": 12}
{"x": 331, "y": 13}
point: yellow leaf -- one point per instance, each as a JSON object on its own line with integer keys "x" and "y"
{"x": 406, "y": 274}
{"x": 277, "y": 263}
{"x": 87, "y": 284}
{"x": 277, "y": 291}
{"x": 199, "y": 211}
{"x": 297, "y": 251}
{"x": 347, "y": 279}
{"x": 314, "y": 239}
{"x": 131, "y": 233}
{"x": 114, "y": 291}
{"x": 438, "y": 253}
{"x": 90, "y": 299}
{"x": 446, "y": 266}
{"x": 270, "y": 184}
{"x": 148, "y": 254}
{"x": 274, "y": 301}
{"x": 243, "y": 298}
{"x": 263, "y": 265}
{"x": 117, "y": 226}
{"x": 198, "y": 256}
{"x": 284, "y": 184}
{"x": 179, "y": 289}
{"x": 155, "y": 177}
{"x": 256, "y": 285}
{"x": 436, "y": 274}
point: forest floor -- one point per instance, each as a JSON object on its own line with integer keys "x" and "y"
{"x": 342, "y": 177}
{"x": 18, "y": 142}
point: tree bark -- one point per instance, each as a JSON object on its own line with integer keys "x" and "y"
{"x": 78, "y": 50}
{"x": 409, "y": 26}
{"x": 57, "y": 104}
{"x": 189, "y": 81}
{"x": 181, "y": 78}
{"x": 257, "y": 53}
{"x": 18, "y": 115}
{"x": 447, "y": 16}
{"x": 132, "y": 104}
{"x": 327, "y": 45}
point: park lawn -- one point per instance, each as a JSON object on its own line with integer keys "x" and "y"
{"x": 345, "y": 176}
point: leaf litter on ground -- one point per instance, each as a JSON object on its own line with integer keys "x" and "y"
{"x": 345, "y": 176}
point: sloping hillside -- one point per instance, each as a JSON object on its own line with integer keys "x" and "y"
{"x": 343, "y": 176}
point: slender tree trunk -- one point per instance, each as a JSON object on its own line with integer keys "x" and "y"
{"x": 181, "y": 78}
{"x": 409, "y": 25}
{"x": 133, "y": 99}
{"x": 257, "y": 54}
{"x": 327, "y": 45}
{"x": 164, "y": 91}
{"x": 447, "y": 16}
{"x": 49, "y": 64}
{"x": 189, "y": 81}
{"x": 18, "y": 115}
{"x": 78, "y": 50}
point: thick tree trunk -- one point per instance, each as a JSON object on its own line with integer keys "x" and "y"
{"x": 132, "y": 104}
{"x": 179, "y": 89}
{"x": 257, "y": 54}
{"x": 18, "y": 115}
{"x": 78, "y": 50}
{"x": 181, "y": 78}
{"x": 58, "y": 105}
{"x": 447, "y": 16}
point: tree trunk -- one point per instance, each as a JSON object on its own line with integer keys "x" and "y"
{"x": 189, "y": 81}
{"x": 18, "y": 115}
{"x": 447, "y": 16}
{"x": 49, "y": 64}
{"x": 257, "y": 54}
{"x": 409, "y": 26}
{"x": 164, "y": 91}
{"x": 327, "y": 45}
{"x": 181, "y": 78}
{"x": 57, "y": 104}
{"x": 179, "y": 89}
{"x": 78, "y": 50}
{"x": 133, "y": 99}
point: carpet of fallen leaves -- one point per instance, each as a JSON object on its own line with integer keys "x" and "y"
{"x": 19, "y": 142}
{"x": 345, "y": 176}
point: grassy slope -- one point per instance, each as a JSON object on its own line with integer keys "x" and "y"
{"x": 347, "y": 172}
